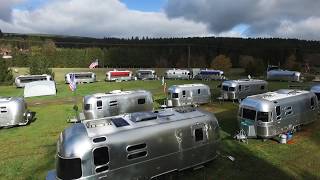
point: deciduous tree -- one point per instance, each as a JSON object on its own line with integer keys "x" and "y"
{"x": 221, "y": 62}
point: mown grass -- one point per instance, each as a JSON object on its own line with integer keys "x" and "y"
{"x": 28, "y": 152}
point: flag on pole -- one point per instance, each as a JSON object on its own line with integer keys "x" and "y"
{"x": 72, "y": 82}
{"x": 94, "y": 64}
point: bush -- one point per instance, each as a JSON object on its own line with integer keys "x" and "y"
{"x": 252, "y": 66}
{"x": 309, "y": 77}
{"x": 38, "y": 64}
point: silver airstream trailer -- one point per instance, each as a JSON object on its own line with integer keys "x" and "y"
{"x": 14, "y": 112}
{"x": 119, "y": 75}
{"x": 81, "y": 77}
{"x": 240, "y": 89}
{"x": 210, "y": 74}
{"x": 141, "y": 145}
{"x": 21, "y": 81}
{"x": 316, "y": 90}
{"x": 270, "y": 114}
{"x": 274, "y": 73}
{"x": 177, "y": 74}
{"x": 188, "y": 94}
{"x": 146, "y": 74}
{"x": 116, "y": 102}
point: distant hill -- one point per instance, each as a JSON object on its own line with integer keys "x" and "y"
{"x": 179, "y": 52}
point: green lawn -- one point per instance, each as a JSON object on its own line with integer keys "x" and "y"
{"x": 28, "y": 152}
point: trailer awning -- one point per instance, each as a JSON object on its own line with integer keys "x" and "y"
{"x": 40, "y": 88}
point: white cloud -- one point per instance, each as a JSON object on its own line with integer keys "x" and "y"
{"x": 6, "y": 8}
{"x": 99, "y": 18}
{"x": 262, "y": 17}
{"x": 305, "y": 29}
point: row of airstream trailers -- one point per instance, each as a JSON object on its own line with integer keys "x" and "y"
{"x": 125, "y": 75}
{"x": 199, "y": 74}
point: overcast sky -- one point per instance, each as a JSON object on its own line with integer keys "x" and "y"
{"x": 163, "y": 18}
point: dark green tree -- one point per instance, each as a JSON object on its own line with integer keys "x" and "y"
{"x": 39, "y": 64}
{"x": 1, "y": 34}
{"x": 5, "y": 72}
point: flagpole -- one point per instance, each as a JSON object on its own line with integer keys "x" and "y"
{"x": 73, "y": 87}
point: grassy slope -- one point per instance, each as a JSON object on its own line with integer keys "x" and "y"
{"x": 28, "y": 152}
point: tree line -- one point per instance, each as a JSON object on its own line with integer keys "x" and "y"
{"x": 253, "y": 54}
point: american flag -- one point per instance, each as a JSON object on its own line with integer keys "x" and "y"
{"x": 72, "y": 82}
{"x": 94, "y": 64}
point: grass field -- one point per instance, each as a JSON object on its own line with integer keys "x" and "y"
{"x": 28, "y": 152}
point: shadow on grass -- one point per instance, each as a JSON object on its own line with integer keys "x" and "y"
{"x": 247, "y": 164}
{"x": 46, "y": 165}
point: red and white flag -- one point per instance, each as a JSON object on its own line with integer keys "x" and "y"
{"x": 94, "y": 64}
{"x": 72, "y": 82}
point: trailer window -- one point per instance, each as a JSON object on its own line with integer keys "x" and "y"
{"x": 278, "y": 111}
{"x": 175, "y": 95}
{"x": 183, "y": 93}
{"x": 232, "y": 89}
{"x": 198, "y": 134}
{"x": 262, "y": 87}
{"x": 100, "y": 156}
{"x": 99, "y": 104}
{"x": 3, "y": 110}
{"x": 69, "y": 168}
{"x": 225, "y": 88}
{"x": 312, "y": 103}
{"x": 87, "y": 107}
{"x": 249, "y": 114}
{"x": 137, "y": 155}
{"x": 136, "y": 147}
{"x": 263, "y": 116}
{"x": 113, "y": 103}
{"x": 142, "y": 101}
{"x": 240, "y": 87}
{"x": 199, "y": 91}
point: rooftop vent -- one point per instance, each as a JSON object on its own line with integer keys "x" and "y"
{"x": 143, "y": 116}
{"x": 98, "y": 123}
